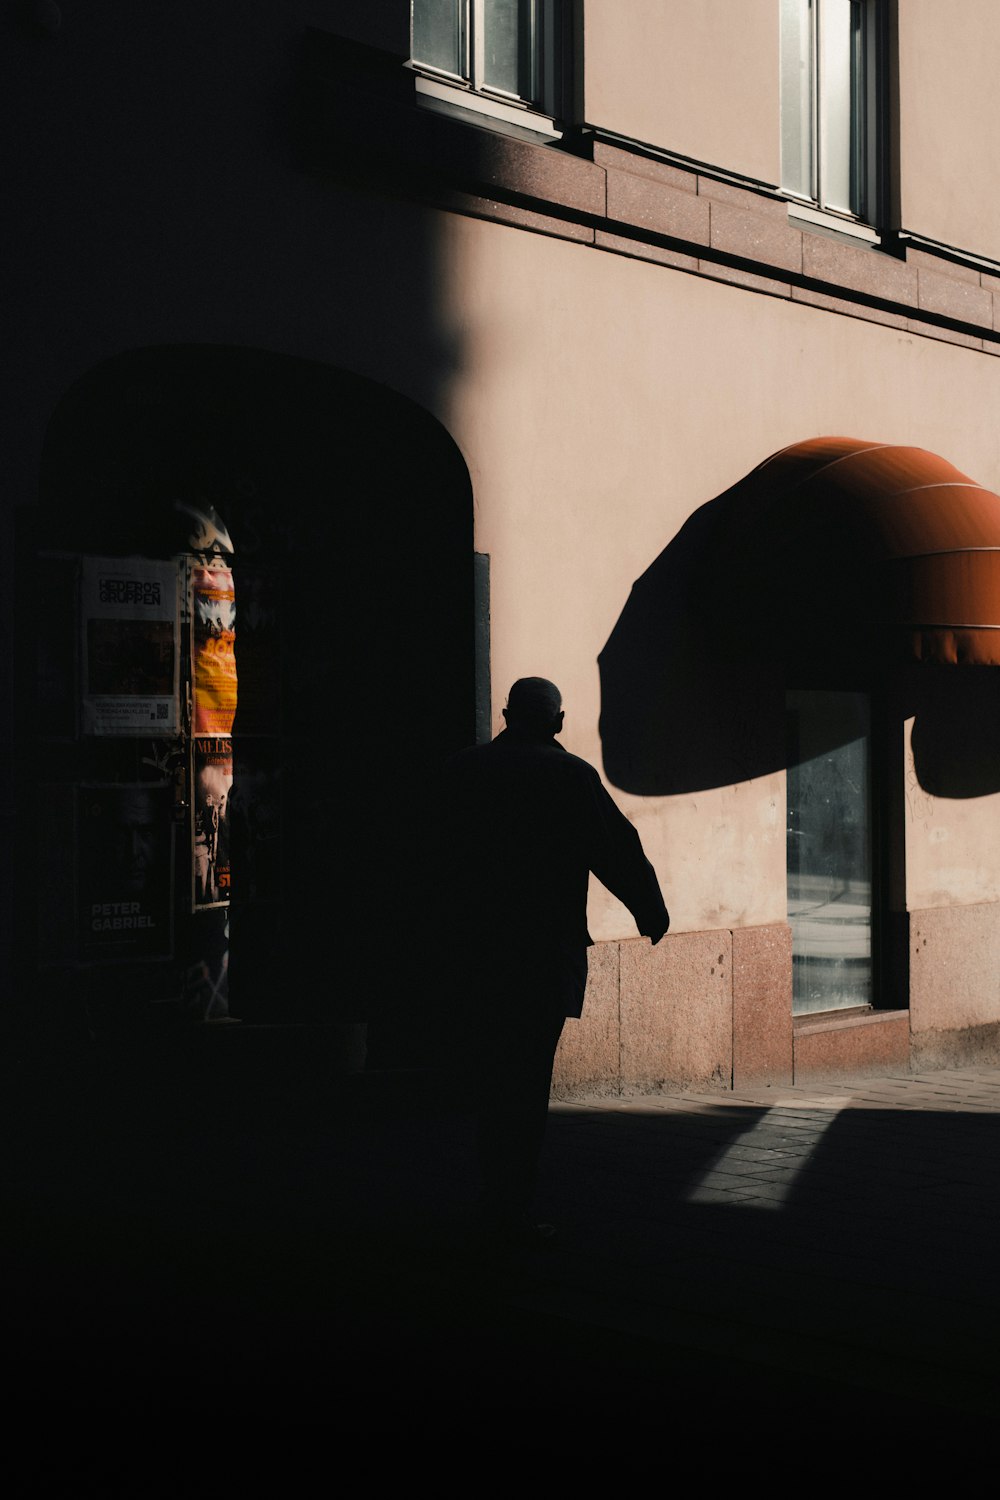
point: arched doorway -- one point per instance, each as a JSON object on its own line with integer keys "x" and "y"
{"x": 349, "y": 510}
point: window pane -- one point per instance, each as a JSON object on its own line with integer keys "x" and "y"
{"x": 841, "y": 97}
{"x": 797, "y": 97}
{"x": 508, "y": 41}
{"x": 829, "y": 850}
{"x": 439, "y": 34}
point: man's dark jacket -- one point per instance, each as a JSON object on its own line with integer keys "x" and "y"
{"x": 524, "y": 824}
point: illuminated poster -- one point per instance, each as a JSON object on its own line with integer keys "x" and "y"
{"x": 212, "y": 780}
{"x": 125, "y": 871}
{"x": 213, "y": 649}
{"x": 130, "y": 658}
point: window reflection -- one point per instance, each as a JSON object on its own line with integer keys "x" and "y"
{"x": 508, "y": 37}
{"x": 829, "y": 89}
{"x": 439, "y": 34}
{"x": 829, "y": 849}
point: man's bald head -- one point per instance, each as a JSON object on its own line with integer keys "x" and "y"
{"x": 534, "y": 706}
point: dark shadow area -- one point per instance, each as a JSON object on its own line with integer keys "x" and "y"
{"x": 683, "y": 707}
{"x": 956, "y": 729}
{"x": 350, "y": 512}
{"x": 225, "y": 1235}
{"x": 250, "y": 288}
{"x": 790, "y": 579}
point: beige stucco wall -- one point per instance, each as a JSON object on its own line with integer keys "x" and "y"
{"x": 700, "y": 80}
{"x": 600, "y": 400}
{"x": 952, "y": 845}
{"x": 949, "y": 123}
{"x": 703, "y": 81}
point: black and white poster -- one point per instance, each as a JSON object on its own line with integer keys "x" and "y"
{"x": 130, "y": 646}
{"x": 125, "y": 871}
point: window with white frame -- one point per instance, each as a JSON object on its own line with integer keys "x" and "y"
{"x": 502, "y": 55}
{"x": 831, "y": 96}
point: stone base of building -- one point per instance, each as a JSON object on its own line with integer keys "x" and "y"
{"x": 977, "y": 1046}
{"x": 698, "y": 1010}
{"x": 861, "y": 1045}
{"x": 713, "y": 1010}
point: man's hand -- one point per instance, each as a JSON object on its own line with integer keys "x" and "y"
{"x": 656, "y": 931}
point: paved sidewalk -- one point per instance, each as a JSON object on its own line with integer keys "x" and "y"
{"x": 842, "y": 1237}
{"x": 780, "y": 1250}
{"x": 219, "y": 1240}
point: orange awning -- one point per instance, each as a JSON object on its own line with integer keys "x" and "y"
{"x": 835, "y": 563}
{"x": 864, "y": 547}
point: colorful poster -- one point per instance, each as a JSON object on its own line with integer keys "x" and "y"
{"x": 213, "y": 649}
{"x": 130, "y": 657}
{"x": 211, "y": 780}
{"x": 125, "y": 871}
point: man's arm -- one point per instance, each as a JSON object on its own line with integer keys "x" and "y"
{"x": 619, "y": 861}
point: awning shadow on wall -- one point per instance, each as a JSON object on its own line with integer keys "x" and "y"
{"x": 834, "y": 564}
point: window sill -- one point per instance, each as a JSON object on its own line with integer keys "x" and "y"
{"x": 488, "y": 113}
{"x": 842, "y": 1020}
{"x": 800, "y": 216}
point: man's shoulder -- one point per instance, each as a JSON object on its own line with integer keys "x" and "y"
{"x": 505, "y": 756}
{"x": 575, "y": 768}
{"x": 472, "y": 757}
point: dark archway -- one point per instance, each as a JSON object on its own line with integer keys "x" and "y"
{"x": 350, "y": 512}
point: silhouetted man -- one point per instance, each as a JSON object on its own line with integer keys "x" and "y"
{"x": 526, "y": 824}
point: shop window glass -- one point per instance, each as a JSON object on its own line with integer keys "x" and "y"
{"x": 829, "y": 850}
